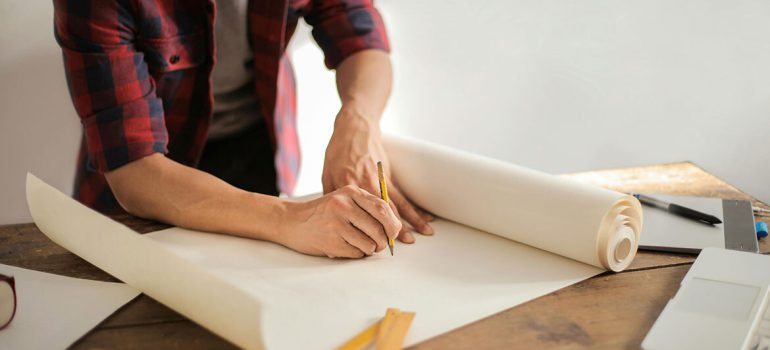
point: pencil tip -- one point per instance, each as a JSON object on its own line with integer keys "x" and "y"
{"x": 391, "y": 250}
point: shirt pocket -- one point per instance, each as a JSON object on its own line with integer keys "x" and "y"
{"x": 174, "y": 53}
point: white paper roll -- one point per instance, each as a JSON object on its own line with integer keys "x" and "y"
{"x": 583, "y": 222}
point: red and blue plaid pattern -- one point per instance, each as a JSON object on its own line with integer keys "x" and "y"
{"x": 139, "y": 72}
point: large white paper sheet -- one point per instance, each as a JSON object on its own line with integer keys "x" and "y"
{"x": 455, "y": 277}
{"x": 259, "y": 294}
{"x": 53, "y": 311}
{"x": 148, "y": 267}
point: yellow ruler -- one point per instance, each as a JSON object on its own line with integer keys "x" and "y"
{"x": 387, "y": 333}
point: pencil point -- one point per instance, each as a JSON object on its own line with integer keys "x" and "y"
{"x": 391, "y": 250}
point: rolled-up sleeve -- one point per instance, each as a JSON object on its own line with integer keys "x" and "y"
{"x": 344, "y": 27}
{"x": 109, "y": 83}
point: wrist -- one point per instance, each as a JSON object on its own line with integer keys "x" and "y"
{"x": 355, "y": 116}
{"x": 283, "y": 213}
{"x": 267, "y": 218}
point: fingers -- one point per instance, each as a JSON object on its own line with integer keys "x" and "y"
{"x": 424, "y": 214}
{"x": 406, "y": 237}
{"x": 360, "y": 241}
{"x": 405, "y": 234}
{"x": 379, "y": 210}
{"x": 409, "y": 213}
{"x": 370, "y": 227}
{"x": 344, "y": 249}
{"x": 365, "y": 222}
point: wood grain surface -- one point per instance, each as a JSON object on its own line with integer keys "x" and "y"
{"x": 612, "y": 310}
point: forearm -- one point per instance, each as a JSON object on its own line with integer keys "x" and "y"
{"x": 156, "y": 187}
{"x": 364, "y": 83}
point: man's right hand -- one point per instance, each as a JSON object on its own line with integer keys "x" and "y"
{"x": 346, "y": 223}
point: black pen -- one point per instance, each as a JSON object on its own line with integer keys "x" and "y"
{"x": 678, "y": 209}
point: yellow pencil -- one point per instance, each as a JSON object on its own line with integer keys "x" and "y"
{"x": 384, "y": 194}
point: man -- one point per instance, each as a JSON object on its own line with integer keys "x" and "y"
{"x": 157, "y": 122}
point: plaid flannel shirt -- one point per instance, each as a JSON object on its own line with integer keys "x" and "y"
{"x": 138, "y": 72}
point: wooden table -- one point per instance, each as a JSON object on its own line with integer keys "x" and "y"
{"x": 611, "y": 310}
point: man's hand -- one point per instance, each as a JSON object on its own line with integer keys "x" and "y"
{"x": 351, "y": 158}
{"x": 364, "y": 81}
{"x": 347, "y": 223}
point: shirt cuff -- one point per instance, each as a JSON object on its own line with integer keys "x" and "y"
{"x": 123, "y": 134}
{"x": 349, "y": 32}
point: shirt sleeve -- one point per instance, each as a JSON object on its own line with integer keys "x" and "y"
{"x": 344, "y": 27}
{"x": 109, "y": 83}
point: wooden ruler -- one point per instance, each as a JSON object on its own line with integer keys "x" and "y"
{"x": 387, "y": 333}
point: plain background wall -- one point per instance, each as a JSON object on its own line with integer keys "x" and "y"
{"x": 39, "y": 130}
{"x": 557, "y": 85}
{"x": 566, "y": 86}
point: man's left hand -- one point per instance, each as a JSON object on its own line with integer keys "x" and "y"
{"x": 351, "y": 159}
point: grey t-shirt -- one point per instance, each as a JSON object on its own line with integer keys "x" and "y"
{"x": 235, "y": 101}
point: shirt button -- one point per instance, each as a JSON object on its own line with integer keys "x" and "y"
{"x": 174, "y": 59}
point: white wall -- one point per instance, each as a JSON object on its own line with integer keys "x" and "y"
{"x": 566, "y": 86}
{"x": 556, "y": 85}
{"x": 574, "y": 85}
{"x": 39, "y": 130}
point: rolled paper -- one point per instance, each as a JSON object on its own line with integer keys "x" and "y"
{"x": 583, "y": 222}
